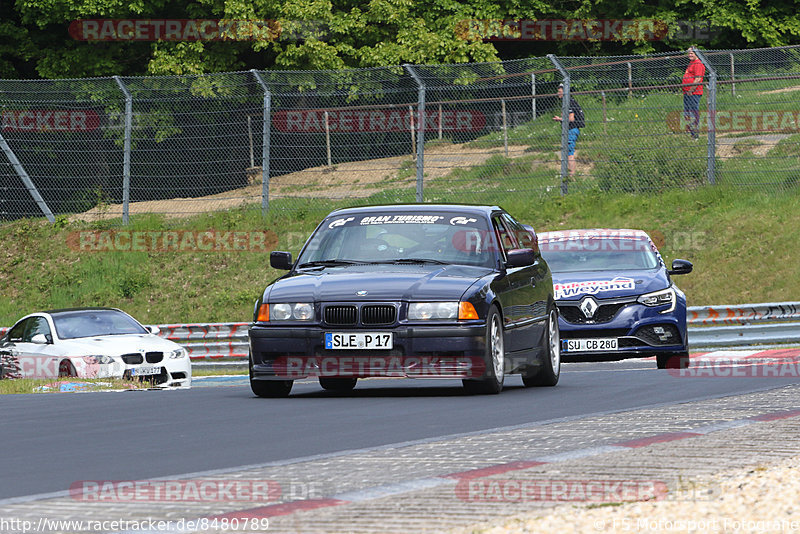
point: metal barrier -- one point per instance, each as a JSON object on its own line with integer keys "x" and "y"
{"x": 733, "y": 326}
{"x": 709, "y": 326}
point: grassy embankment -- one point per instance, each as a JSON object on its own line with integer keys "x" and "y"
{"x": 742, "y": 240}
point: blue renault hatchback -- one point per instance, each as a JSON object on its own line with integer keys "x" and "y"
{"x": 616, "y": 297}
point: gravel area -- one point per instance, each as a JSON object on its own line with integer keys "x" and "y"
{"x": 763, "y": 498}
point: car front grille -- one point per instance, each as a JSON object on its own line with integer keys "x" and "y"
{"x": 341, "y": 315}
{"x": 370, "y": 315}
{"x": 154, "y": 357}
{"x": 604, "y": 314}
{"x": 132, "y": 359}
{"x": 374, "y": 315}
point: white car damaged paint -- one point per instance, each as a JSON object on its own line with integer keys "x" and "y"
{"x": 94, "y": 343}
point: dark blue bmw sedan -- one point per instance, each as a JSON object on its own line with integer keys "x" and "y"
{"x": 419, "y": 291}
{"x": 615, "y": 296}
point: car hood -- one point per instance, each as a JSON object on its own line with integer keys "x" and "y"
{"x": 380, "y": 282}
{"x": 116, "y": 345}
{"x": 575, "y": 285}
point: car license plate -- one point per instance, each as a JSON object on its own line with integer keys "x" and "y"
{"x": 358, "y": 340}
{"x": 145, "y": 371}
{"x": 589, "y": 345}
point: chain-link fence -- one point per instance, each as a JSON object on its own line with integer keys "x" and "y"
{"x": 479, "y": 133}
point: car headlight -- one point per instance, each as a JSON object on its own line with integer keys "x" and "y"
{"x": 284, "y": 311}
{"x": 665, "y": 297}
{"x": 432, "y": 310}
{"x": 177, "y": 353}
{"x": 99, "y": 358}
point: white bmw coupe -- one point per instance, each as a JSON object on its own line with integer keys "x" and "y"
{"x": 93, "y": 343}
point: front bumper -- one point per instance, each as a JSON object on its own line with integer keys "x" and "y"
{"x": 436, "y": 351}
{"x": 641, "y": 331}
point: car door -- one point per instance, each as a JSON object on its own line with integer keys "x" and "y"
{"x": 540, "y": 287}
{"x": 515, "y": 299}
{"x": 37, "y": 359}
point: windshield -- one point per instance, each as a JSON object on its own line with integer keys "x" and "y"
{"x": 88, "y": 323}
{"x": 395, "y": 236}
{"x": 598, "y": 254}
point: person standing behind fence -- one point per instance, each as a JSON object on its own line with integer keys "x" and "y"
{"x": 692, "y": 92}
{"x": 576, "y": 122}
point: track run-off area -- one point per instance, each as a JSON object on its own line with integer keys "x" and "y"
{"x": 393, "y": 455}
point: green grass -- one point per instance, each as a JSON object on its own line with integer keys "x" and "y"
{"x": 741, "y": 242}
{"x": 35, "y": 385}
{"x": 739, "y": 233}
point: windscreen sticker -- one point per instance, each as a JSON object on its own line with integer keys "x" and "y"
{"x": 340, "y": 222}
{"x": 592, "y": 287}
{"x": 401, "y": 219}
{"x": 462, "y": 220}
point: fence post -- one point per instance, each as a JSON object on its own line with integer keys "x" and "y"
{"x": 413, "y": 134}
{"x": 126, "y": 158}
{"x": 630, "y": 80}
{"x": 265, "y": 131}
{"x": 533, "y": 94}
{"x": 564, "y": 123}
{"x": 26, "y": 179}
{"x": 733, "y": 77}
{"x": 505, "y": 125}
{"x": 605, "y": 131}
{"x": 420, "y": 131}
{"x": 712, "y": 117}
{"x": 328, "y": 139}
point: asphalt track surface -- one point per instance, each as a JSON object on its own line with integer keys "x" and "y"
{"x": 52, "y": 441}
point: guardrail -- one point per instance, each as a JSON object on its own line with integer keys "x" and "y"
{"x": 709, "y": 326}
{"x": 743, "y": 325}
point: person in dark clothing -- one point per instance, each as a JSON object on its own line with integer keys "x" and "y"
{"x": 576, "y": 122}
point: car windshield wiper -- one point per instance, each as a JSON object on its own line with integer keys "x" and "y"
{"x": 413, "y": 260}
{"x": 326, "y": 263}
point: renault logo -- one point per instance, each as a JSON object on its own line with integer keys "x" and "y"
{"x": 588, "y": 307}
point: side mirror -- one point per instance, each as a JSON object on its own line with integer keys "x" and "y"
{"x": 153, "y": 329}
{"x": 521, "y": 257}
{"x": 280, "y": 260}
{"x": 681, "y": 267}
{"x": 529, "y": 240}
{"x": 40, "y": 339}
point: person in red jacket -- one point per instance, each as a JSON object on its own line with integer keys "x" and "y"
{"x": 692, "y": 91}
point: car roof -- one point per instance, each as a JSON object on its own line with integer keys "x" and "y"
{"x": 594, "y": 233}
{"x": 91, "y": 308}
{"x": 425, "y": 208}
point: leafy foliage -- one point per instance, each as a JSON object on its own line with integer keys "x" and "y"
{"x": 327, "y": 34}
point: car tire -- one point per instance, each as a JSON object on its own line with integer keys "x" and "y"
{"x": 65, "y": 368}
{"x": 550, "y": 371}
{"x": 678, "y": 360}
{"x": 494, "y": 359}
{"x": 269, "y": 389}
{"x": 337, "y": 384}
